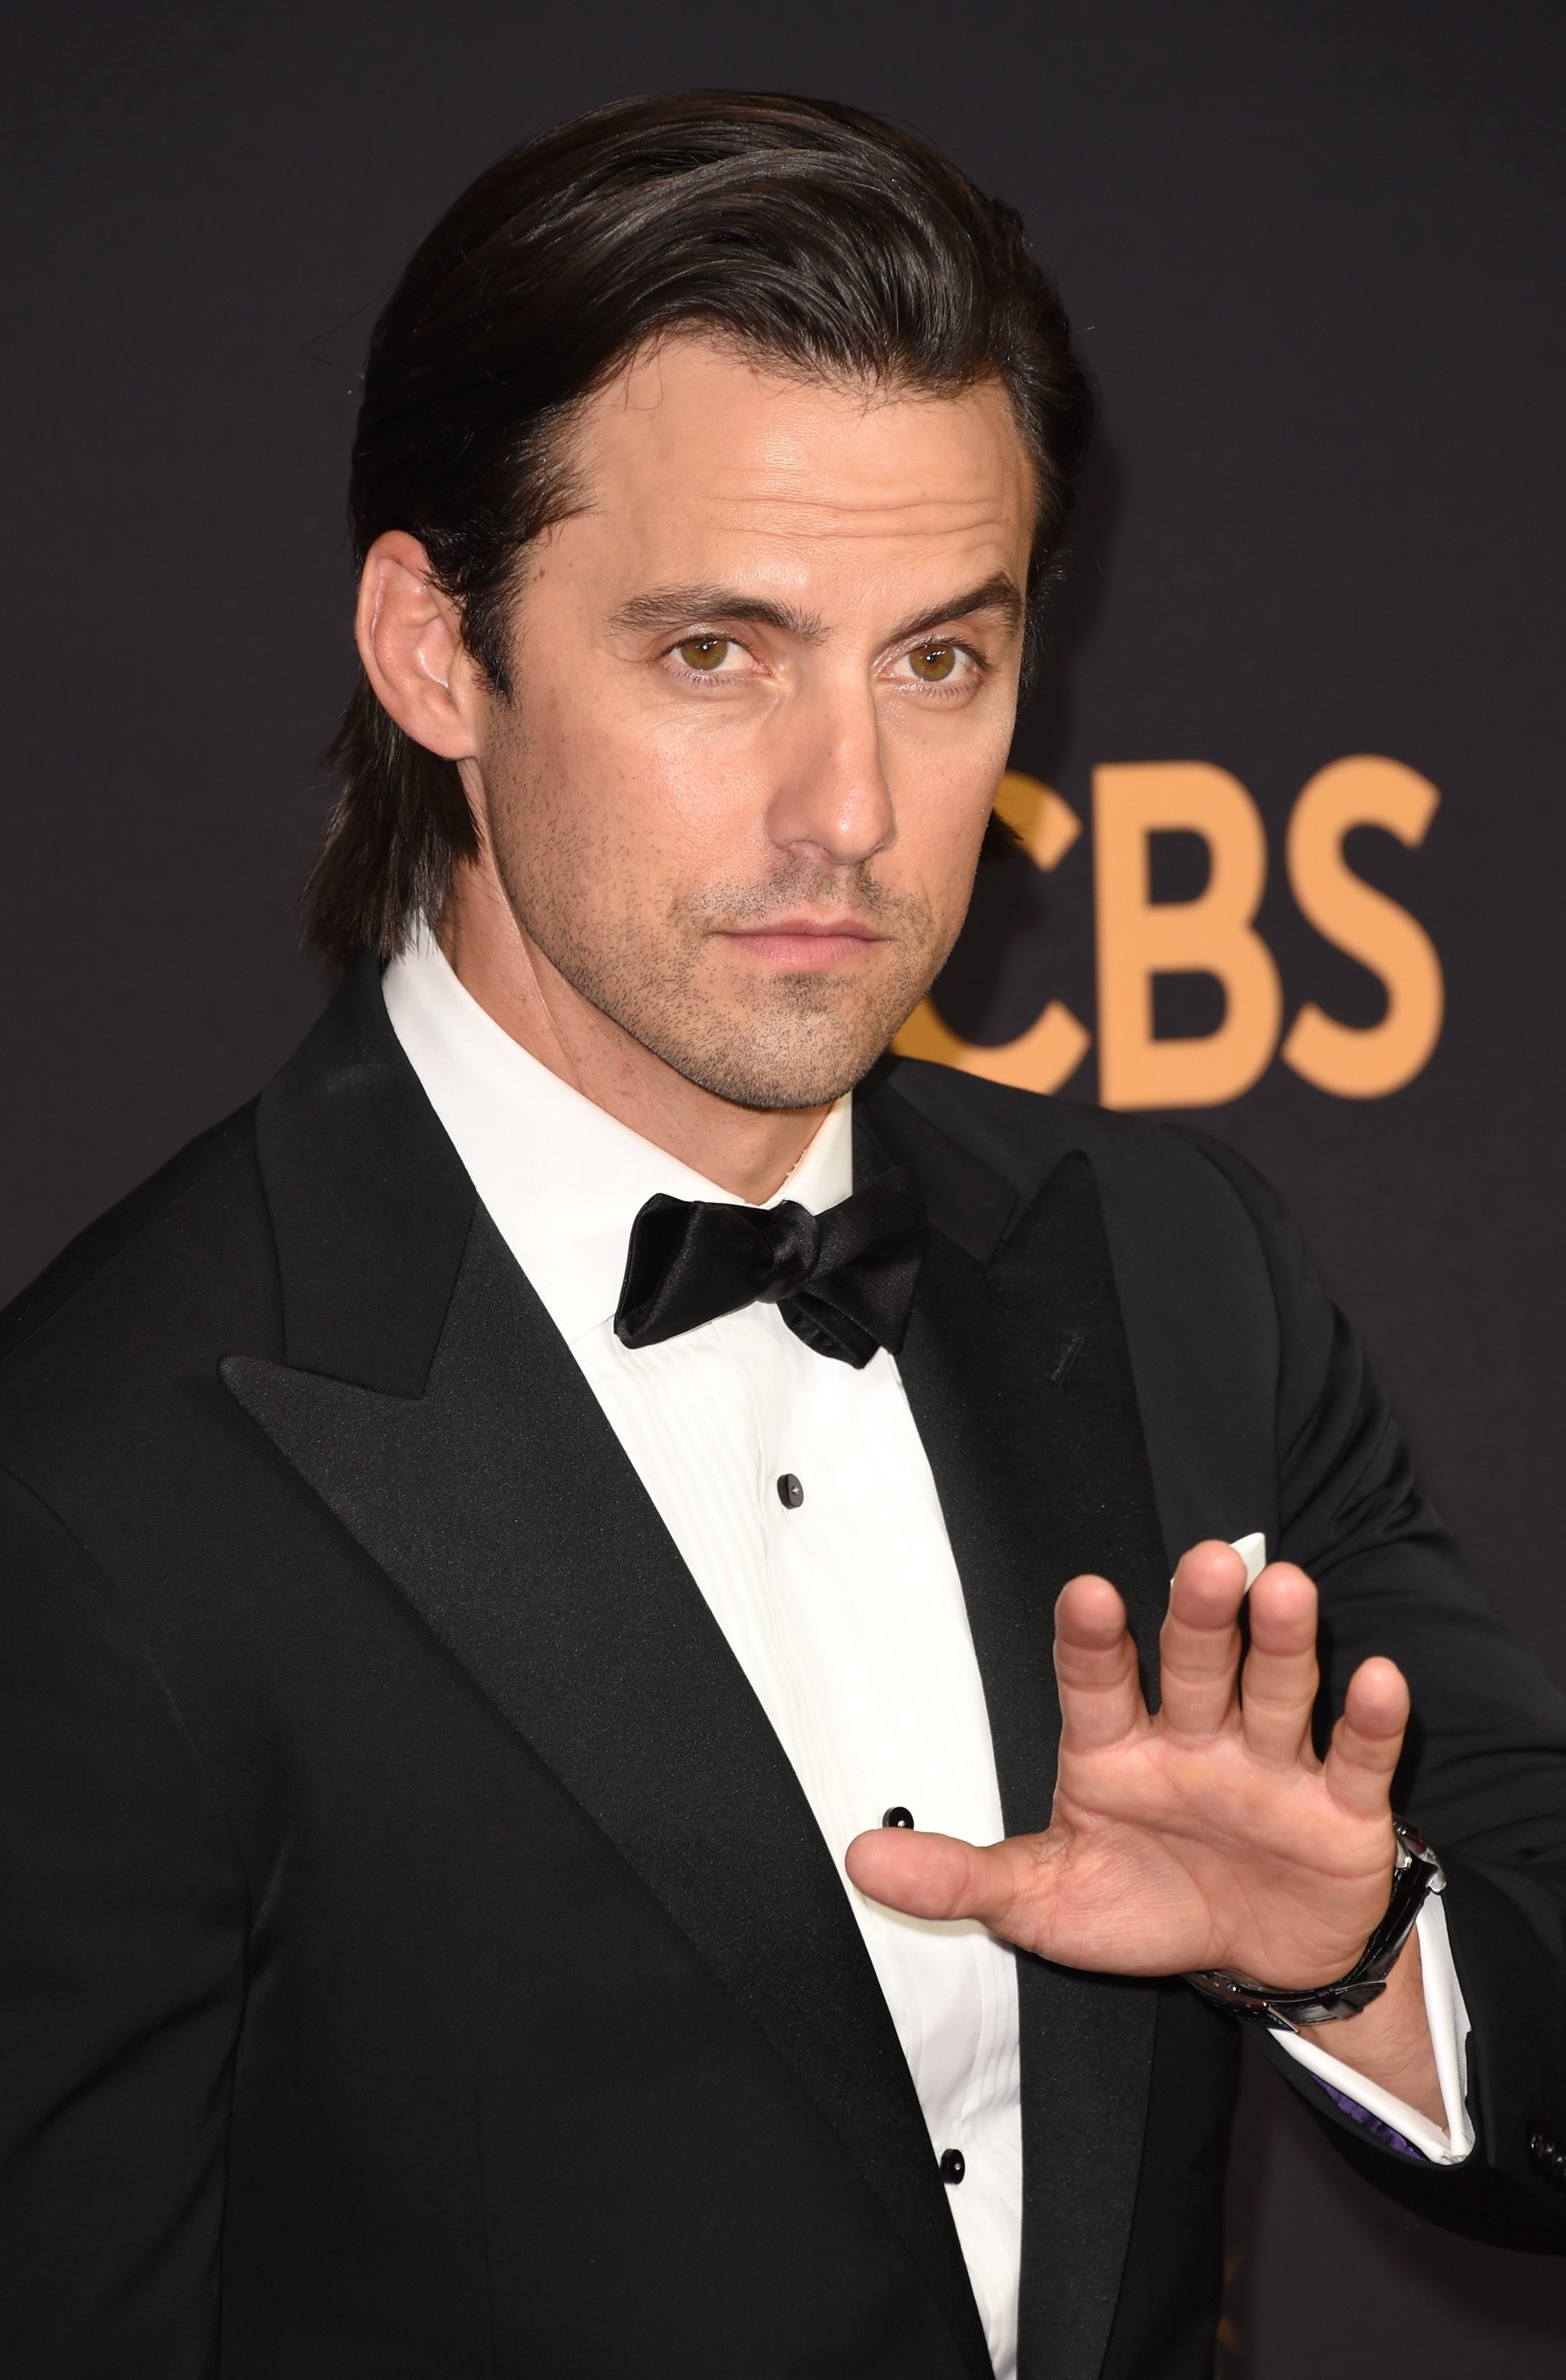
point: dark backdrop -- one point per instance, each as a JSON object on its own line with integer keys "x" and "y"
{"x": 1314, "y": 256}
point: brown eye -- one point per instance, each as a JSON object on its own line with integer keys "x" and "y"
{"x": 932, "y": 663}
{"x": 704, "y": 652}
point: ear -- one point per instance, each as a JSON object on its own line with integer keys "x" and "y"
{"x": 409, "y": 638}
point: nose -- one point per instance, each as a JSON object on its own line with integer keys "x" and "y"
{"x": 832, "y": 800}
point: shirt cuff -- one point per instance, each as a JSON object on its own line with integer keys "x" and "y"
{"x": 1448, "y": 2018}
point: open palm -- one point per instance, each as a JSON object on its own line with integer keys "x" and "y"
{"x": 1208, "y": 1835}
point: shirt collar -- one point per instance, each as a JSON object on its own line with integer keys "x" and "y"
{"x": 562, "y": 1180}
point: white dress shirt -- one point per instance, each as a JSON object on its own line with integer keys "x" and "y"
{"x": 845, "y": 1610}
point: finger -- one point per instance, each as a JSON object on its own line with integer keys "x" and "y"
{"x": 1095, "y": 1667}
{"x": 1200, "y": 1644}
{"x": 1368, "y": 1738}
{"x": 933, "y": 1876}
{"x": 1278, "y": 1684}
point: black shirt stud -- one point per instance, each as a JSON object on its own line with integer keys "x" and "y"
{"x": 897, "y": 1816}
{"x": 953, "y": 2165}
{"x": 791, "y": 1495}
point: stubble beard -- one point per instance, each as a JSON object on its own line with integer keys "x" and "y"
{"x": 780, "y": 1040}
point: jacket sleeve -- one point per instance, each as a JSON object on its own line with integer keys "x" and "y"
{"x": 122, "y": 1931}
{"x": 1483, "y": 1769}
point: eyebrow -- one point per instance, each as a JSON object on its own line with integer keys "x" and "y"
{"x": 674, "y": 607}
{"x": 999, "y": 594}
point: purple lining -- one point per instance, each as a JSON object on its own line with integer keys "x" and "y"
{"x": 1372, "y": 2124}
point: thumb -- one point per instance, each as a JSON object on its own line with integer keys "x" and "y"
{"x": 932, "y": 1875}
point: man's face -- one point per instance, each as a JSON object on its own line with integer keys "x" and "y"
{"x": 764, "y": 684}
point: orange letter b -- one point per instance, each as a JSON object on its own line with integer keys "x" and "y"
{"x": 1140, "y": 938}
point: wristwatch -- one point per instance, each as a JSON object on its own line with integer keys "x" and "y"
{"x": 1417, "y": 1873}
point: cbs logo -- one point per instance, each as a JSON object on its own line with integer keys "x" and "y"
{"x": 1137, "y": 938}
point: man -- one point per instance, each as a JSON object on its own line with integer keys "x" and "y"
{"x": 533, "y": 1555}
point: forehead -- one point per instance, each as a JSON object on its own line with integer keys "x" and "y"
{"x": 695, "y": 446}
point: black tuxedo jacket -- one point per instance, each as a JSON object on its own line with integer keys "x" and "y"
{"x": 417, "y": 1959}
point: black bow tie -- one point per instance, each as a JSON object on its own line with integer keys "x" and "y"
{"x": 842, "y": 1282}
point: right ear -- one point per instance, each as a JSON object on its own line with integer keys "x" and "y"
{"x": 409, "y": 638}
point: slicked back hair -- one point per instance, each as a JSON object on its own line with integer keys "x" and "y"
{"x": 803, "y": 231}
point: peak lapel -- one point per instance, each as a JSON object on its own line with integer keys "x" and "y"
{"x": 1018, "y": 1373}
{"x": 502, "y": 1504}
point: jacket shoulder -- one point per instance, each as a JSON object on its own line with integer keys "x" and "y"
{"x": 206, "y": 1197}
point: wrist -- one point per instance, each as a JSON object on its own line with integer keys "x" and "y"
{"x": 1417, "y": 1872}
{"x": 1388, "y": 2042}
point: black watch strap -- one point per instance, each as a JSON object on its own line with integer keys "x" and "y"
{"x": 1417, "y": 1872}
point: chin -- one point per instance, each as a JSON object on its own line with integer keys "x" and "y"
{"x": 797, "y": 1041}
{"x": 774, "y": 1088}
{"x": 777, "y": 1070}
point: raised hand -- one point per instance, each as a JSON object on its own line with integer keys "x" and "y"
{"x": 1208, "y": 1835}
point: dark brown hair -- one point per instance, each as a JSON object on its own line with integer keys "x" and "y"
{"x": 797, "y": 228}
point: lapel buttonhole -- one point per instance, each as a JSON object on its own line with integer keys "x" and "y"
{"x": 1060, "y": 1370}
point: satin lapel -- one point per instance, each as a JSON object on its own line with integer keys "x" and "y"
{"x": 1019, "y": 1377}
{"x": 502, "y": 1504}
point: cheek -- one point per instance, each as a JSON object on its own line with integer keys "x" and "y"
{"x": 942, "y": 810}
{"x": 689, "y": 793}
{"x": 642, "y": 810}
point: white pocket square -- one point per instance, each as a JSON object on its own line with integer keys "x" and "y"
{"x": 1252, "y": 1551}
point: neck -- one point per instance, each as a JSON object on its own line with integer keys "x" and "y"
{"x": 749, "y": 1151}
